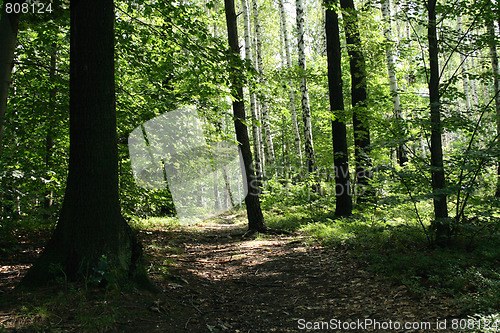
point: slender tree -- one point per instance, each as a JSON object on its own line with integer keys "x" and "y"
{"x": 306, "y": 110}
{"x": 9, "y": 24}
{"x": 393, "y": 83}
{"x": 253, "y": 99}
{"x": 49, "y": 138}
{"x": 441, "y": 226}
{"x": 270, "y": 156}
{"x": 293, "y": 112}
{"x": 91, "y": 232}
{"x": 343, "y": 204}
{"x": 358, "y": 96}
{"x": 464, "y": 62}
{"x": 255, "y": 217}
{"x": 496, "y": 84}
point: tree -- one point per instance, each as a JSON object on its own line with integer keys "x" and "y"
{"x": 496, "y": 84}
{"x": 391, "y": 70}
{"x": 9, "y": 24}
{"x": 254, "y": 212}
{"x": 293, "y": 112}
{"x": 438, "y": 182}
{"x": 343, "y": 203}
{"x": 358, "y": 95}
{"x": 253, "y": 100}
{"x": 92, "y": 241}
{"x": 306, "y": 109}
{"x": 270, "y": 157}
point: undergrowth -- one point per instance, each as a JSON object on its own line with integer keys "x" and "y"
{"x": 394, "y": 245}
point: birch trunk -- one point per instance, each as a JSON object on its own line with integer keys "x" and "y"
{"x": 496, "y": 85}
{"x": 465, "y": 80}
{"x": 391, "y": 70}
{"x": 295, "y": 126}
{"x": 306, "y": 110}
{"x": 270, "y": 157}
{"x": 253, "y": 111}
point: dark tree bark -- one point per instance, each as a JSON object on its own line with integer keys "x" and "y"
{"x": 9, "y": 24}
{"x": 441, "y": 226}
{"x": 255, "y": 217}
{"x": 358, "y": 98}
{"x": 91, "y": 231}
{"x": 343, "y": 204}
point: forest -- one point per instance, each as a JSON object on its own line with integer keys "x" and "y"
{"x": 249, "y": 166}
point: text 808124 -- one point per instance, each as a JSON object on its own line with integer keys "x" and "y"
{"x": 34, "y": 7}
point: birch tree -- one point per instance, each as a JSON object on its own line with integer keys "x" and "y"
{"x": 306, "y": 110}
{"x": 293, "y": 112}
{"x": 270, "y": 157}
{"x": 496, "y": 85}
{"x": 253, "y": 100}
{"x": 393, "y": 83}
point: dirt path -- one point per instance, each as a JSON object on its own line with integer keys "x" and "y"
{"x": 216, "y": 281}
{"x": 270, "y": 284}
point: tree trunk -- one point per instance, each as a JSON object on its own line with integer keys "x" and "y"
{"x": 306, "y": 110}
{"x": 255, "y": 217}
{"x": 9, "y": 24}
{"x": 270, "y": 156}
{"x": 49, "y": 139}
{"x": 358, "y": 99}
{"x": 440, "y": 224}
{"x": 343, "y": 204}
{"x": 295, "y": 126}
{"x": 496, "y": 85}
{"x": 465, "y": 80}
{"x": 253, "y": 100}
{"x": 393, "y": 83}
{"x": 92, "y": 241}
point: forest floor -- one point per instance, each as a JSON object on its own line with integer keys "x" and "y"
{"x": 217, "y": 279}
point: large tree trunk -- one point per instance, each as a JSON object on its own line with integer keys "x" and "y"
{"x": 440, "y": 224}
{"x": 270, "y": 156}
{"x": 358, "y": 99}
{"x": 253, "y": 100}
{"x": 393, "y": 83}
{"x": 306, "y": 110}
{"x": 496, "y": 85}
{"x": 255, "y": 217}
{"x": 92, "y": 241}
{"x": 293, "y": 112}
{"x": 9, "y": 24}
{"x": 343, "y": 204}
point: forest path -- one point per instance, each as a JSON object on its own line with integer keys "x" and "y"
{"x": 216, "y": 280}
{"x": 268, "y": 284}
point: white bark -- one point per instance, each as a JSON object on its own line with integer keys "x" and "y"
{"x": 295, "y": 126}
{"x": 306, "y": 110}
{"x": 465, "y": 80}
{"x": 496, "y": 85}
{"x": 270, "y": 157}
{"x": 391, "y": 70}
{"x": 253, "y": 110}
